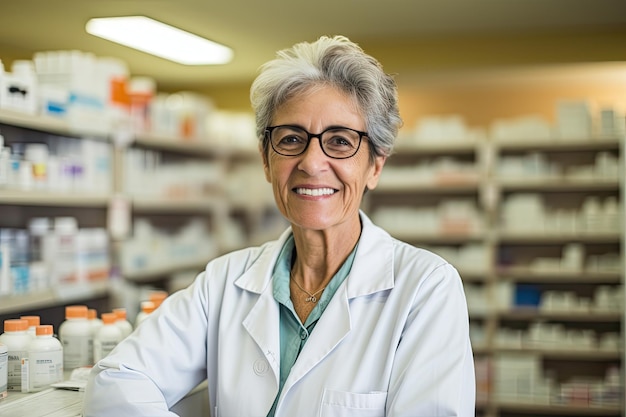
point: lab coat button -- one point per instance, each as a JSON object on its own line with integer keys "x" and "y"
{"x": 260, "y": 366}
{"x": 303, "y": 334}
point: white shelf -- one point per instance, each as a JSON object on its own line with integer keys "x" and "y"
{"x": 59, "y": 295}
{"x": 53, "y": 198}
{"x": 47, "y": 124}
{"x": 150, "y": 273}
{"x": 560, "y": 410}
{"x": 551, "y": 184}
{"x": 159, "y": 205}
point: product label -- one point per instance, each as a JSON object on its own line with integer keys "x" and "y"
{"x": 76, "y": 351}
{"x": 4, "y": 364}
{"x": 14, "y": 374}
{"x": 102, "y": 348}
{"x": 45, "y": 368}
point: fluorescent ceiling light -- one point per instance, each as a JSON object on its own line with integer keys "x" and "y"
{"x": 159, "y": 39}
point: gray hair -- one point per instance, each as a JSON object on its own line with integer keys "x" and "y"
{"x": 334, "y": 61}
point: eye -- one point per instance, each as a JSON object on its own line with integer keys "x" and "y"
{"x": 341, "y": 139}
{"x": 292, "y": 138}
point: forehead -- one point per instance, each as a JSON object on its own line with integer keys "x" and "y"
{"x": 320, "y": 103}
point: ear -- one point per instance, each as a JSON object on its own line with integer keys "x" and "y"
{"x": 266, "y": 168}
{"x": 375, "y": 171}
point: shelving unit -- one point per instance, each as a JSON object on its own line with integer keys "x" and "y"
{"x": 522, "y": 253}
{"x": 92, "y": 208}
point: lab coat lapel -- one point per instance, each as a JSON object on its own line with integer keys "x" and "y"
{"x": 263, "y": 321}
{"x": 374, "y": 260}
{"x": 331, "y": 328}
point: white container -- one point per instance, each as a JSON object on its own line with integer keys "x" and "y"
{"x": 33, "y": 322}
{"x": 16, "y": 339}
{"x": 44, "y": 364}
{"x": 75, "y": 335}
{"x": 37, "y": 155}
{"x": 147, "y": 307}
{"x": 4, "y": 364}
{"x": 122, "y": 322}
{"x": 65, "y": 231}
{"x": 94, "y": 322}
{"x": 107, "y": 337}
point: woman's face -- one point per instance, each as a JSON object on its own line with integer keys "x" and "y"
{"x": 338, "y": 183}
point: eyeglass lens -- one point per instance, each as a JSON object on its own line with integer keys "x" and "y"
{"x": 336, "y": 142}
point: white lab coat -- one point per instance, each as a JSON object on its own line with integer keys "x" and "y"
{"x": 393, "y": 341}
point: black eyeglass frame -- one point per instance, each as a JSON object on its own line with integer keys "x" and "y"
{"x": 269, "y": 129}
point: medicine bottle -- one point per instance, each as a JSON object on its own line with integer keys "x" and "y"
{"x": 4, "y": 364}
{"x": 75, "y": 335}
{"x": 147, "y": 307}
{"x": 122, "y": 322}
{"x": 44, "y": 364}
{"x": 33, "y": 322}
{"x": 16, "y": 339}
{"x": 107, "y": 337}
{"x": 157, "y": 297}
{"x": 94, "y": 324}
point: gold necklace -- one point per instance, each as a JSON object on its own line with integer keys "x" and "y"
{"x": 311, "y": 297}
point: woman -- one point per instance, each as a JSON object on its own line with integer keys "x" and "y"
{"x": 335, "y": 318}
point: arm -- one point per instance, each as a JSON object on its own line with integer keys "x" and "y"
{"x": 433, "y": 371}
{"x": 158, "y": 364}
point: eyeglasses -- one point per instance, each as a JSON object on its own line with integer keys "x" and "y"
{"x": 336, "y": 142}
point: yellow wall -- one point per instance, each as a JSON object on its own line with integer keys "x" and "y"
{"x": 486, "y": 77}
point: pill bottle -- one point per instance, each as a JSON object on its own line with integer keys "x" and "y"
{"x": 122, "y": 322}
{"x": 157, "y": 297}
{"x": 107, "y": 337}
{"x": 94, "y": 324}
{"x": 75, "y": 335}
{"x": 37, "y": 155}
{"x": 44, "y": 364}
{"x": 33, "y": 322}
{"x": 4, "y": 364}
{"x": 147, "y": 307}
{"x": 16, "y": 339}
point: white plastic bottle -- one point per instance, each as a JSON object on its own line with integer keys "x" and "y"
{"x": 122, "y": 322}
{"x": 44, "y": 364}
{"x": 107, "y": 337}
{"x": 147, "y": 307}
{"x": 4, "y": 364}
{"x": 33, "y": 322}
{"x": 95, "y": 324}
{"x": 16, "y": 339}
{"x": 75, "y": 335}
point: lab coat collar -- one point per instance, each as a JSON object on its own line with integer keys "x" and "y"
{"x": 374, "y": 260}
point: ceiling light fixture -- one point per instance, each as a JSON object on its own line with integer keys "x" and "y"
{"x": 159, "y": 39}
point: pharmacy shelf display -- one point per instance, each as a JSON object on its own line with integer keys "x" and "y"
{"x": 176, "y": 184}
{"x": 535, "y": 229}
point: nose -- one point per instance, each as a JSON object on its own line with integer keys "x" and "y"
{"x": 313, "y": 158}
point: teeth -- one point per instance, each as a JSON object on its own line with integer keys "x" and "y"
{"x": 315, "y": 191}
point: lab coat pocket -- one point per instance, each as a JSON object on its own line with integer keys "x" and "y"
{"x": 347, "y": 404}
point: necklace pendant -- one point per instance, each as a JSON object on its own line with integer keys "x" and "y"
{"x": 311, "y": 299}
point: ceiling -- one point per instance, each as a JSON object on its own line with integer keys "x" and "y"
{"x": 256, "y": 29}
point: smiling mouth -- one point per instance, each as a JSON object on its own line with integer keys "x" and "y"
{"x": 315, "y": 192}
